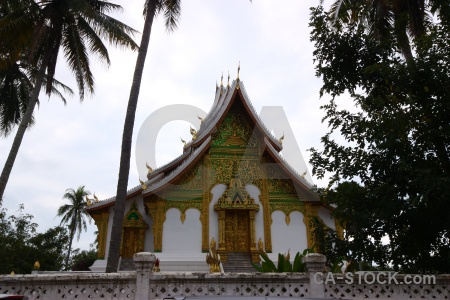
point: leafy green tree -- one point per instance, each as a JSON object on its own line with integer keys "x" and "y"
{"x": 397, "y": 19}
{"x": 21, "y": 245}
{"x": 74, "y": 214}
{"x": 171, "y": 10}
{"x": 43, "y": 28}
{"x": 390, "y": 175}
{"x": 82, "y": 260}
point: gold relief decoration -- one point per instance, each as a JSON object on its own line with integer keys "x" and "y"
{"x": 310, "y": 211}
{"x": 248, "y": 169}
{"x": 155, "y": 208}
{"x": 183, "y": 206}
{"x": 192, "y": 180}
{"x": 234, "y": 141}
{"x": 133, "y": 232}
{"x": 207, "y": 196}
{"x": 101, "y": 220}
{"x": 287, "y": 219}
{"x": 236, "y": 128}
{"x": 264, "y": 199}
{"x": 235, "y": 196}
{"x": 183, "y": 217}
{"x": 286, "y": 206}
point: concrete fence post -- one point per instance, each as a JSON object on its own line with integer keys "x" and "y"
{"x": 315, "y": 266}
{"x": 143, "y": 262}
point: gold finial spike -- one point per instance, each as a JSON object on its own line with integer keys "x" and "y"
{"x": 193, "y": 133}
{"x": 144, "y": 186}
{"x": 183, "y": 141}
{"x": 228, "y": 79}
{"x": 303, "y": 175}
{"x": 95, "y": 197}
{"x": 280, "y": 140}
{"x": 201, "y": 119}
{"x": 149, "y": 169}
{"x": 88, "y": 201}
{"x": 221, "y": 80}
{"x": 239, "y": 69}
{"x": 216, "y": 86}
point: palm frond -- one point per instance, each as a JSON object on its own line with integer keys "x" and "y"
{"x": 172, "y": 12}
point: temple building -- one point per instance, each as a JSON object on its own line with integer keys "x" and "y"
{"x": 230, "y": 189}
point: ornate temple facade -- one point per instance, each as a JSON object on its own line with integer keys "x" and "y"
{"x": 230, "y": 188}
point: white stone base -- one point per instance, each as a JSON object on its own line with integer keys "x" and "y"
{"x": 180, "y": 262}
{"x": 99, "y": 266}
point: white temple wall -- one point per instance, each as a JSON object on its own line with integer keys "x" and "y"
{"x": 259, "y": 216}
{"x": 108, "y": 234}
{"x": 326, "y": 217}
{"x": 181, "y": 237}
{"x": 285, "y": 237}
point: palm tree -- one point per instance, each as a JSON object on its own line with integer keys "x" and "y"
{"x": 16, "y": 84}
{"x": 398, "y": 19}
{"x": 44, "y": 27}
{"x": 171, "y": 10}
{"x": 74, "y": 214}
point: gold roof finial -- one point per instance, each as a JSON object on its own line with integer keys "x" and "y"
{"x": 149, "y": 169}
{"x": 239, "y": 69}
{"x": 216, "y": 86}
{"x": 303, "y": 175}
{"x": 193, "y": 133}
{"x": 184, "y": 142}
{"x": 88, "y": 201}
{"x": 221, "y": 80}
{"x": 280, "y": 140}
{"x": 228, "y": 79}
{"x": 201, "y": 119}
{"x": 144, "y": 186}
{"x": 95, "y": 197}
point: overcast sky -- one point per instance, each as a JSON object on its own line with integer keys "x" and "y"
{"x": 79, "y": 144}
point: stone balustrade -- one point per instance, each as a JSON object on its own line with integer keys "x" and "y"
{"x": 144, "y": 284}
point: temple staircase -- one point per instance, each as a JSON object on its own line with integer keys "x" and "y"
{"x": 238, "y": 262}
{"x": 126, "y": 264}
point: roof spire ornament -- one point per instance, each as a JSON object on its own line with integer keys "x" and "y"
{"x": 95, "y": 197}
{"x": 221, "y": 80}
{"x": 144, "y": 186}
{"x": 88, "y": 201}
{"x": 193, "y": 133}
{"x": 280, "y": 140}
{"x": 228, "y": 85}
{"x": 183, "y": 141}
{"x": 239, "y": 69}
{"x": 201, "y": 119}
{"x": 149, "y": 169}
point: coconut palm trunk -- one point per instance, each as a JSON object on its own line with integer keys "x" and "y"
{"x": 124, "y": 168}
{"x": 26, "y": 119}
{"x": 71, "y": 235}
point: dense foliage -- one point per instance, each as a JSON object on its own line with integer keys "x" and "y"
{"x": 388, "y": 149}
{"x": 21, "y": 245}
